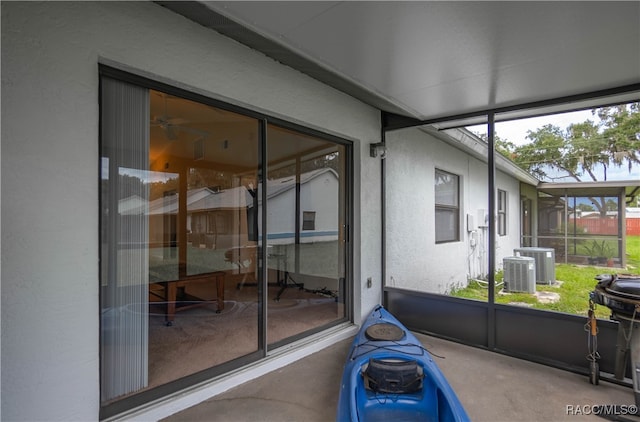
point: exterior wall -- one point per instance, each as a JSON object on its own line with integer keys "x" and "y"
{"x": 50, "y": 115}
{"x": 414, "y": 260}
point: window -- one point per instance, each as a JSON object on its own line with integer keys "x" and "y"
{"x": 502, "y": 212}
{"x": 447, "y": 202}
{"x": 309, "y": 220}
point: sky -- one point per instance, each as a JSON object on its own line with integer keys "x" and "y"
{"x": 516, "y": 131}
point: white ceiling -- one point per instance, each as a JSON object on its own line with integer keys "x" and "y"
{"x": 432, "y": 59}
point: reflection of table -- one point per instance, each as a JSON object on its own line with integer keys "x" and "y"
{"x": 177, "y": 299}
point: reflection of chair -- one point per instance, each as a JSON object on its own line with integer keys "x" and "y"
{"x": 244, "y": 260}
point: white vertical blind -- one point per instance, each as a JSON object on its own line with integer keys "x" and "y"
{"x": 125, "y": 233}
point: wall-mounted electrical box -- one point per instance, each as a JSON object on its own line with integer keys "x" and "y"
{"x": 471, "y": 224}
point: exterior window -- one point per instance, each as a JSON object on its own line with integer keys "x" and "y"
{"x": 447, "y": 203}
{"x": 502, "y": 212}
{"x": 309, "y": 220}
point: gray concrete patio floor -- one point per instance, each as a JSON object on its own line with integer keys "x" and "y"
{"x": 492, "y": 387}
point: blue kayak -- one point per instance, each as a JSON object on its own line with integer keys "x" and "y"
{"x": 389, "y": 376}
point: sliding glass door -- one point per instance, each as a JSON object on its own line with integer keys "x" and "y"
{"x": 193, "y": 196}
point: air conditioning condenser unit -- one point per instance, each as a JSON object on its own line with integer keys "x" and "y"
{"x": 545, "y": 262}
{"x": 519, "y": 274}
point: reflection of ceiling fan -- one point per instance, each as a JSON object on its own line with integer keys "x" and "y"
{"x": 170, "y": 125}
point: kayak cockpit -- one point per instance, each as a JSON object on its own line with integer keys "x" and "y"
{"x": 393, "y": 376}
{"x": 396, "y": 389}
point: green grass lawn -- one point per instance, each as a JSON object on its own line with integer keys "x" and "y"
{"x": 577, "y": 282}
{"x": 633, "y": 253}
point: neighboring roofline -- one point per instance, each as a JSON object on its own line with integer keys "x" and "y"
{"x": 313, "y": 175}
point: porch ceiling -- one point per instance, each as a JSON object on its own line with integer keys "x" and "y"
{"x": 430, "y": 59}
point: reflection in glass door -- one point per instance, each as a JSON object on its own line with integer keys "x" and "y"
{"x": 209, "y": 159}
{"x": 179, "y": 239}
{"x": 183, "y": 209}
{"x": 306, "y": 219}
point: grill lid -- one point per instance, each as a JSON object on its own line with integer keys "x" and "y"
{"x": 627, "y": 286}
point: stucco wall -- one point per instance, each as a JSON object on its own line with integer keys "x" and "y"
{"x": 414, "y": 260}
{"x": 50, "y": 56}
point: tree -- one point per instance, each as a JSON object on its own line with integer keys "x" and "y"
{"x": 585, "y": 207}
{"x": 611, "y": 205}
{"x": 577, "y": 151}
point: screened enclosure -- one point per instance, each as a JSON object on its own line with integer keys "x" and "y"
{"x": 585, "y": 228}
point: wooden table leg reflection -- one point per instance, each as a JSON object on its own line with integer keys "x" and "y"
{"x": 172, "y": 288}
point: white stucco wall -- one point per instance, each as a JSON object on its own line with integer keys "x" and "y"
{"x": 414, "y": 260}
{"x": 50, "y": 56}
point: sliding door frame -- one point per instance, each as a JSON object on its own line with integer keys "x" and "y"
{"x": 173, "y": 387}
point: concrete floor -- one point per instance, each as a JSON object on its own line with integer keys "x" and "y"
{"x": 491, "y": 387}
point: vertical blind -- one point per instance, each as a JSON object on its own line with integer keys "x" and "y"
{"x": 125, "y": 232}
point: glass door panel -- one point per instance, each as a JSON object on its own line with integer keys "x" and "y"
{"x": 306, "y": 217}
{"x": 179, "y": 239}
{"x": 200, "y": 248}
